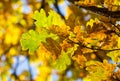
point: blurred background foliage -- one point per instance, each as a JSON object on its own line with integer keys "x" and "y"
{"x": 59, "y": 40}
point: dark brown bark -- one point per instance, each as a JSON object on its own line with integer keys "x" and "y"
{"x": 102, "y": 11}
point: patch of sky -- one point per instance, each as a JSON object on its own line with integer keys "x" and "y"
{"x": 25, "y": 8}
{"x": 22, "y": 65}
{"x": 87, "y": 17}
{"x": 110, "y": 61}
{"x": 62, "y": 7}
{"x": 69, "y": 74}
{"x": 3, "y": 58}
{"x": 34, "y": 70}
{"x": 54, "y": 76}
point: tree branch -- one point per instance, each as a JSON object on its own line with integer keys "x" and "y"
{"x": 15, "y": 69}
{"x": 58, "y": 10}
{"x": 102, "y": 11}
{"x": 92, "y": 48}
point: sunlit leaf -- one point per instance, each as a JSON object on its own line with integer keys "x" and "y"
{"x": 114, "y": 55}
{"x": 32, "y": 39}
{"x": 63, "y": 61}
{"x": 41, "y": 18}
{"x": 86, "y": 79}
{"x": 43, "y": 21}
{"x": 91, "y": 22}
{"x": 81, "y": 60}
{"x": 55, "y": 19}
{"x": 99, "y": 71}
{"x": 116, "y": 2}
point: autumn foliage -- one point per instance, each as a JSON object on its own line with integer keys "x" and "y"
{"x": 85, "y": 41}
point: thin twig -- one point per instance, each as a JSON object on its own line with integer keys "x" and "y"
{"x": 43, "y": 4}
{"x": 58, "y": 10}
{"x": 92, "y": 48}
{"x": 115, "y": 26}
{"x": 15, "y": 69}
{"x": 112, "y": 31}
{"x": 29, "y": 67}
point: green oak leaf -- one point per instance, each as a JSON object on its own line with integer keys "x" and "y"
{"x": 43, "y": 21}
{"x": 55, "y": 19}
{"x": 96, "y": 71}
{"x": 32, "y": 39}
{"x": 63, "y": 61}
{"x": 41, "y": 18}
